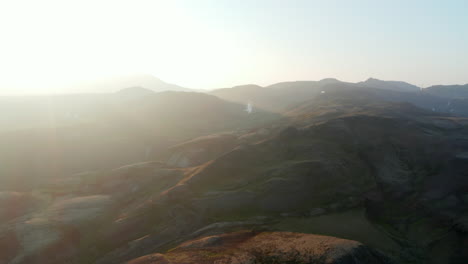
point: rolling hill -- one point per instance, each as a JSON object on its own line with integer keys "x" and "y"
{"x": 106, "y": 131}
{"x": 354, "y": 175}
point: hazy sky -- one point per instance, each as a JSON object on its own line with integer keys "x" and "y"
{"x": 47, "y": 45}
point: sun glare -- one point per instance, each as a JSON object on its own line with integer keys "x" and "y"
{"x": 55, "y": 44}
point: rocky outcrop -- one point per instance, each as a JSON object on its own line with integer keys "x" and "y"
{"x": 248, "y": 247}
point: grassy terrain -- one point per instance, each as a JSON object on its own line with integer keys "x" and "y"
{"x": 357, "y": 227}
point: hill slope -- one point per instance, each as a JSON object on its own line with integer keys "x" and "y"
{"x": 112, "y": 131}
{"x": 283, "y": 96}
{"x": 138, "y": 80}
{"x": 449, "y": 91}
{"x": 389, "y": 175}
{"x": 279, "y": 247}
{"x": 390, "y": 85}
{"x": 357, "y": 164}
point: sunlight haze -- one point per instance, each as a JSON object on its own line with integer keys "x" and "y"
{"x": 233, "y": 131}
{"x": 59, "y": 46}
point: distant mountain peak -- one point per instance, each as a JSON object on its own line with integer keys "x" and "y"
{"x": 135, "y": 90}
{"x": 375, "y": 80}
{"x": 120, "y": 82}
{"x": 455, "y": 91}
{"x": 329, "y": 80}
{"x": 390, "y": 85}
{"x": 247, "y": 86}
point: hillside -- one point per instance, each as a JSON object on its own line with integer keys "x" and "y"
{"x": 389, "y": 175}
{"x": 280, "y": 132}
{"x": 257, "y": 247}
{"x": 449, "y": 91}
{"x": 116, "y": 83}
{"x": 111, "y": 130}
{"x": 390, "y": 85}
{"x": 275, "y": 97}
{"x": 283, "y": 96}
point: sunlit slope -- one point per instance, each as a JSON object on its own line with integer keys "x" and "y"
{"x": 114, "y": 130}
{"x": 389, "y": 175}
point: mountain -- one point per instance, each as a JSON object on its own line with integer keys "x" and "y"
{"x": 135, "y": 91}
{"x": 390, "y": 85}
{"x": 282, "y": 96}
{"x": 353, "y": 168}
{"x": 278, "y": 96}
{"x": 257, "y": 95}
{"x": 449, "y": 91}
{"x": 341, "y": 173}
{"x": 305, "y": 84}
{"x": 108, "y": 131}
{"x": 116, "y": 83}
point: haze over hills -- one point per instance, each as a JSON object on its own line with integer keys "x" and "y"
{"x": 240, "y": 149}
{"x": 119, "y": 82}
{"x": 56, "y": 110}
{"x": 449, "y": 91}
{"x": 320, "y": 171}
{"x": 90, "y": 132}
{"x": 278, "y": 97}
{"x": 141, "y": 120}
{"x": 390, "y": 85}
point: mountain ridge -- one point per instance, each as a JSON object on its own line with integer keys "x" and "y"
{"x": 171, "y": 174}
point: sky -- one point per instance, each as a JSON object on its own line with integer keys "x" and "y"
{"x": 55, "y": 46}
